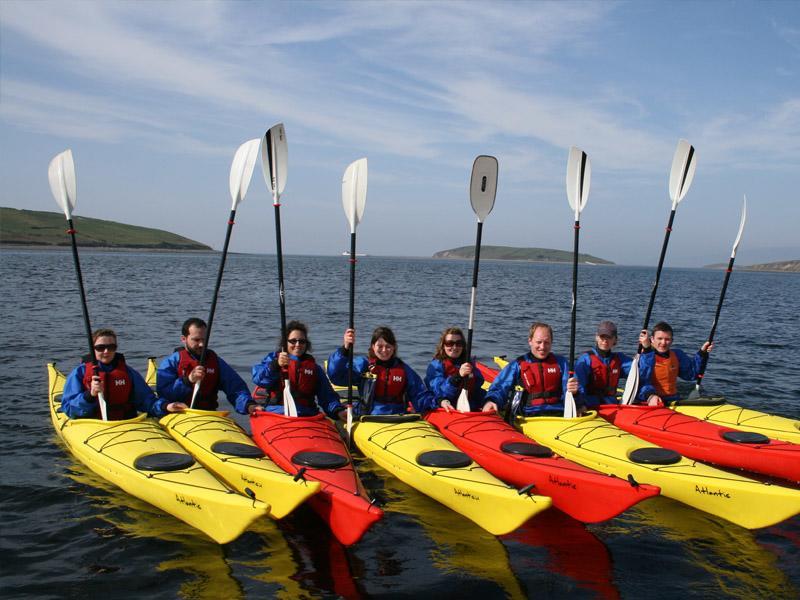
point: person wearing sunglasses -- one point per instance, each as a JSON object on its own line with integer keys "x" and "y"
{"x": 542, "y": 375}
{"x": 386, "y": 384}
{"x": 124, "y": 390}
{"x": 179, "y": 372}
{"x": 308, "y": 384}
{"x": 450, "y": 371}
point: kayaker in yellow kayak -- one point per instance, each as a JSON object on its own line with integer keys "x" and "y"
{"x": 386, "y": 384}
{"x": 180, "y": 371}
{"x": 659, "y": 369}
{"x": 600, "y": 369}
{"x": 308, "y": 384}
{"x": 121, "y": 387}
{"x": 544, "y": 377}
{"x": 450, "y": 372}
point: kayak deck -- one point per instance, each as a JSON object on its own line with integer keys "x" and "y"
{"x": 311, "y": 448}
{"x": 730, "y": 415}
{"x": 417, "y": 454}
{"x": 116, "y": 451}
{"x": 582, "y": 493}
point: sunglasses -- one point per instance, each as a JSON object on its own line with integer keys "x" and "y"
{"x": 294, "y": 342}
{"x": 104, "y": 347}
{"x": 451, "y": 343}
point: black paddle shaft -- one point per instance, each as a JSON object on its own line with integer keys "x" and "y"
{"x": 352, "y": 314}
{"x": 84, "y": 306}
{"x": 475, "y": 266}
{"x": 280, "y": 275}
{"x": 211, "y": 312}
{"x": 574, "y": 299}
{"x": 704, "y": 362}
{"x": 658, "y": 272}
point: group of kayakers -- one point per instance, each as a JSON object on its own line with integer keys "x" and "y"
{"x": 534, "y": 383}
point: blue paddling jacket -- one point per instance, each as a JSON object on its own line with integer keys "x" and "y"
{"x": 510, "y": 377}
{"x": 688, "y": 368}
{"x": 598, "y": 376}
{"x": 448, "y": 386}
{"x": 387, "y": 394}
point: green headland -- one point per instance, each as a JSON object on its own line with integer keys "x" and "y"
{"x": 526, "y": 254}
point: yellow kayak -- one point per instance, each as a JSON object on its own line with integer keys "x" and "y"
{"x": 227, "y": 451}
{"x": 139, "y": 457}
{"x": 730, "y": 415}
{"x": 416, "y": 453}
{"x": 595, "y": 443}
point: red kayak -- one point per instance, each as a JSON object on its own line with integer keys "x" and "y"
{"x": 312, "y": 448}
{"x": 582, "y": 493}
{"x": 702, "y": 440}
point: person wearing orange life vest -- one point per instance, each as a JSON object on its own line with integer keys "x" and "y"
{"x": 659, "y": 369}
{"x": 600, "y": 369}
{"x": 544, "y": 376}
{"x": 386, "y": 384}
{"x": 180, "y": 371}
{"x": 308, "y": 383}
{"x": 124, "y": 390}
{"x": 450, "y": 371}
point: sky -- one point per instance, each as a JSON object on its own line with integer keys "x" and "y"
{"x": 154, "y": 98}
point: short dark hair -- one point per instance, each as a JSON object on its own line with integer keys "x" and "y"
{"x": 385, "y": 333}
{"x": 192, "y": 322}
{"x": 663, "y": 326}
{"x": 98, "y": 333}
{"x": 295, "y": 326}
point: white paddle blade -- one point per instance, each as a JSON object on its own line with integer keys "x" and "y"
{"x": 274, "y": 159}
{"x": 194, "y": 393}
{"x": 570, "y": 411}
{"x": 483, "y": 186}
{"x": 682, "y": 172}
{"x": 579, "y": 174}
{"x": 348, "y": 426}
{"x": 244, "y": 161}
{"x": 462, "y": 405}
{"x": 289, "y": 407}
{"x": 741, "y": 228}
{"x": 632, "y": 382}
{"x": 103, "y": 410}
{"x": 61, "y": 174}
{"x": 354, "y": 192}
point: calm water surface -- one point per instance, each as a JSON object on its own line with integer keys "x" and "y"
{"x": 66, "y": 533}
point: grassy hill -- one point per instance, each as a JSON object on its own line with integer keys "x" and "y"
{"x": 782, "y": 266}
{"x": 529, "y": 254}
{"x": 48, "y": 229}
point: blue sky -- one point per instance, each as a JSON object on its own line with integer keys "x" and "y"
{"x": 154, "y": 98}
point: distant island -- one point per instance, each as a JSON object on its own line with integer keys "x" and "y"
{"x": 782, "y": 266}
{"x": 527, "y": 254}
{"x": 48, "y": 230}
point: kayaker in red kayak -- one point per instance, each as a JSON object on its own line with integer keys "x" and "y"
{"x": 599, "y": 370}
{"x": 308, "y": 384}
{"x": 180, "y": 371}
{"x": 450, "y": 372}
{"x": 386, "y": 384}
{"x": 544, "y": 377}
{"x": 122, "y": 387}
{"x": 659, "y": 369}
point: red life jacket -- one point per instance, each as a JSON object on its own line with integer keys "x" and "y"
{"x": 390, "y": 382}
{"x": 450, "y": 369}
{"x": 209, "y": 386}
{"x": 605, "y": 377}
{"x": 665, "y": 374}
{"x": 117, "y": 389}
{"x": 302, "y": 376}
{"x": 541, "y": 380}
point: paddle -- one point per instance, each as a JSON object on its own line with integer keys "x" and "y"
{"x": 695, "y": 393}
{"x": 61, "y": 174}
{"x": 482, "y": 192}
{"x": 680, "y": 178}
{"x": 274, "y": 158}
{"x": 241, "y": 173}
{"x": 354, "y": 198}
{"x": 579, "y": 173}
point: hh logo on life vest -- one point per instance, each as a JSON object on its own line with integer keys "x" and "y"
{"x": 552, "y": 370}
{"x": 397, "y": 378}
{"x": 120, "y": 382}
{"x": 211, "y": 371}
{"x": 308, "y": 371}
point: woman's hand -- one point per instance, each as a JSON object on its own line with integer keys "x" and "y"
{"x": 465, "y": 370}
{"x": 349, "y": 338}
{"x": 283, "y": 360}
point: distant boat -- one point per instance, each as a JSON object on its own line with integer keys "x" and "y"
{"x": 347, "y": 253}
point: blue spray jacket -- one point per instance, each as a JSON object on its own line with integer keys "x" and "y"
{"x": 420, "y": 397}
{"x": 583, "y": 372}
{"x": 78, "y": 403}
{"x": 443, "y": 386}
{"x": 179, "y": 389}
{"x": 688, "y": 368}
{"x": 267, "y": 374}
{"x": 509, "y": 377}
